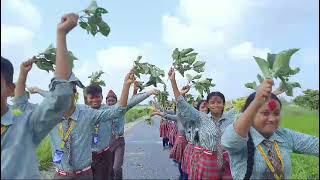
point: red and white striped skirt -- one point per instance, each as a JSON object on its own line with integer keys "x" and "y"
{"x": 180, "y": 144}
{"x": 208, "y": 169}
{"x": 185, "y": 163}
{"x": 173, "y": 133}
{"x": 163, "y": 128}
{"x": 193, "y": 166}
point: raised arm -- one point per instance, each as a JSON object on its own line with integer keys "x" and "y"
{"x": 36, "y": 90}
{"x": 129, "y": 79}
{"x": 187, "y": 112}
{"x": 25, "y": 68}
{"x": 243, "y": 124}
{"x": 138, "y": 98}
{"x": 50, "y": 112}
{"x": 63, "y": 65}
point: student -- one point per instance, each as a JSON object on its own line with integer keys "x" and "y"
{"x": 21, "y": 134}
{"x": 212, "y": 161}
{"x": 258, "y": 147}
{"x": 117, "y": 142}
{"x": 192, "y": 137}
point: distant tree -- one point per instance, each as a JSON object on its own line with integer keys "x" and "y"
{"x": 310, "y": 99}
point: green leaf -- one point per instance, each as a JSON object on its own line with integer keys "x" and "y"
{"x": 260, "y": 78}
{"x": 100, "y": 11}
{"x": 196, "y": 77}
{"x": 282, "y": 60}
{"x": 83, "y": 24}
{"x": 139, "y": 58}
{"x": 184, "y": 52}
{"x": 264, "y": 66}
{"x": 252, "y": 85}
{"x": 175, "y": 54}
{"x": 294, "y": 71}
{"x": 92, "y": 7}
{"x": 189, "y": 77}
{"x": 271, "y": 58}
{"x": 50, "y": 50}
{"x": 104, "y": 28}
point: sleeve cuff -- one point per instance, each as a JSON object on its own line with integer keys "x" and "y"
{"x": 21, "y": 99}
{"x": 72, "y": 79}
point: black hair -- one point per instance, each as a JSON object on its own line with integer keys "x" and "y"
{"x": 93, "y": 90}
{"x": 199, "y": 104}
{"x": 216, "y": 93}
{"x": 7, "y": 70}
{"x": 250, "y": 144}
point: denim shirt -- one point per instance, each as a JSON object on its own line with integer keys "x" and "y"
{"x": 81, "y": 137}
{"x": 289, "y": 141}
{"x": 25, "y": 132}
{"x": 205, "y": 123}
{"x": 119, "y": 124}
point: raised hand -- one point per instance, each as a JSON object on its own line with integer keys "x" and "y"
{"x": 68, "y": 22}
{"x": 153, "y": 91}
{"x": 26, "y": 66}
{"x": 171, "y": 74}
{"x": 185, "y": 90}
{"x": 130, "y": 77}
{"x": 263, "y": 92}
{"x": 34, "y": 90}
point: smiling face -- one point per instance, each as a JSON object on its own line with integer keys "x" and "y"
{"x": 216, "y": 105}
{"x": 94, "y": 101}
{"x": 267, "y": 119}
{"x": 111, "y": 101}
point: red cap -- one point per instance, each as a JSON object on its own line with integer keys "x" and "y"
{"x": 111, "y": 94}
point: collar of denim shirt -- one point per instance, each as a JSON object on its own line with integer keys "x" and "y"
{"x": 259, "y": 138}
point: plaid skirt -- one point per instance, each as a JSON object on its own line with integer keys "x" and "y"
{"x": 208, "y": 169}
{"x": 172, "y": 134}
{"x": 180, "y": 144}
{"x": 185, "y": 163}
{"x": 163, "y": 128}
{"x": 192, "y": 169}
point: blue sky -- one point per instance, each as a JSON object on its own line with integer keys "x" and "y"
{"x": 225, "y": 33}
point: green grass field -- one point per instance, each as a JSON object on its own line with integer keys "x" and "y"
{"x": 296, "y": 118}
{"x": 304, "y": 121}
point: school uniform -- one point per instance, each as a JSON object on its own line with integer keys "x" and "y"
{"x": 117, "y": 144}
{"x": 209, "y": 158}
{"x": 277, "y": 150}
{"x": 22, "y": 133}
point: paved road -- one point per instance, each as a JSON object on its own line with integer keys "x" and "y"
{"x": 144, "y": 155}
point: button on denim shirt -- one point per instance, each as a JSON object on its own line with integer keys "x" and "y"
{"x": 25, "y": 132}
{"x": 289, "y": 141}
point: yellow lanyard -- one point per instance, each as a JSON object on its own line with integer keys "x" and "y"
{"x": 3, "y": 129}
{"x": 67, "y": 136}
{"x": 266, "y": 159}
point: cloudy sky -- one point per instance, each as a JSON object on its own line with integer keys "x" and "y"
{"x": 226, "y": 34}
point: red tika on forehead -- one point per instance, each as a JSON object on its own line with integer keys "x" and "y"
{"x": 216, "y": 98}
{"x": 272, "y": 105}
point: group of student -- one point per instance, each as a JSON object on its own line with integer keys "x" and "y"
{"x": 213, "y": 144}
{"x": 87, "y": 140}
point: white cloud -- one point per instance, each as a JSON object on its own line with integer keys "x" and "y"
{"x": 246, "y": 50}
{"x": 28, "y": 15}
{"x": 117, "y": 57}
{"x": 15, "y": 35}
{"x": 204, "y": 24}
{"x": 178, "y": 34}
